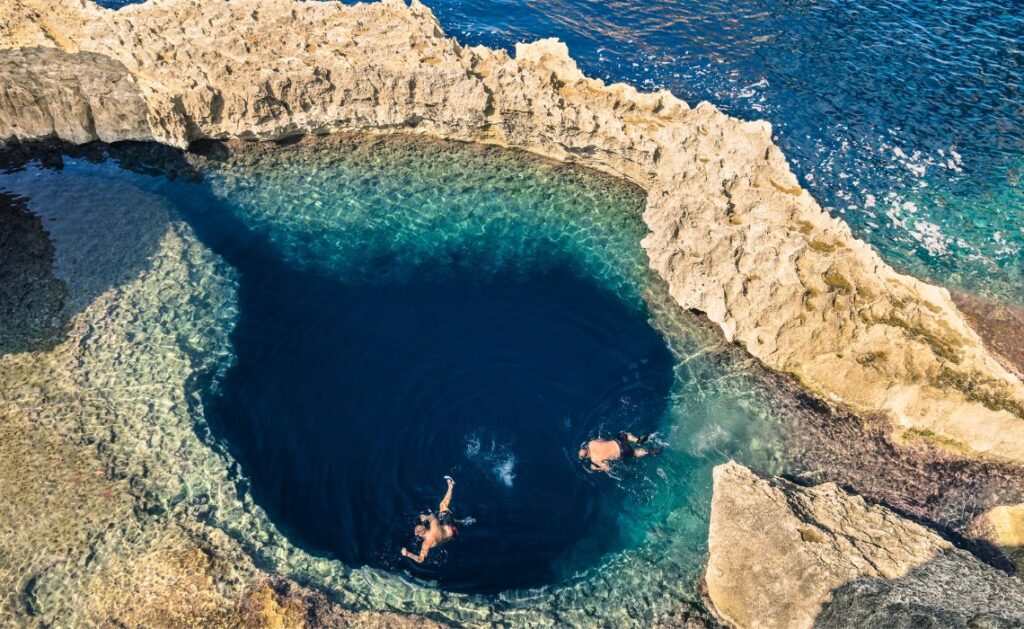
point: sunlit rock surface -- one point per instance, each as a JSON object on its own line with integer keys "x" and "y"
{"x": 732, "y": 232}
{"x": 782, "y": 555}
{"x": 1003, "y": 527}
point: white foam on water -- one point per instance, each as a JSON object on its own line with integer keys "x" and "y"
{"x": 496, "y": 459}
{"x": 505, "y": 470}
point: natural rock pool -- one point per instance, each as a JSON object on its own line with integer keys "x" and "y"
{"x": 362, "y": 316}
{"x": 403, "y": 316}
{"x": 294, "y": 342}
{"x": 351, "y": 398}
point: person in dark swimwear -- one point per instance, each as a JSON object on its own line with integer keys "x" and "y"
{"x": 625, "y": 445}
{"x": 438, "y": 529}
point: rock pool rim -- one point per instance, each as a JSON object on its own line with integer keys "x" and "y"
{"x": 655, "y": 140}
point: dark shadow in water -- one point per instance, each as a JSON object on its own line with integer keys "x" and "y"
{"x": 30, "y": 296}
{"x": 55, "y": 259}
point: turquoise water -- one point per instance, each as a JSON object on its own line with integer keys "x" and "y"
{"x": 903, "y": 117}
{"x": 360, "y": 267}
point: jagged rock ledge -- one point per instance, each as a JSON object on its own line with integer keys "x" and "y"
{"x": 732, "y": 232}
{"x": 826, "y": 558}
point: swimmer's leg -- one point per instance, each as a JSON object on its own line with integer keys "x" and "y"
{"x": 447, "y": 500}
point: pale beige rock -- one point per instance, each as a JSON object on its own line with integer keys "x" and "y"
{"x": 732, "y": 232}
{"x": 776, "y": 551}
{"x": 1007, "y": 524}
{"x": 781, "y": 555}
{"x": 1003, "y": 527}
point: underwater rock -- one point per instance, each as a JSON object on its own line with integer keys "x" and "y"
{"x": 830, "y": 559}
{"x": 30, "y": 295}
{"x": 732, "y": 232}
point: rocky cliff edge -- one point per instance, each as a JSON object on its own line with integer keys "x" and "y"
{"x": 731, "y": 230}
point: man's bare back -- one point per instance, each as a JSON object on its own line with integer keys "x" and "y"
{"x": 602, "y": 452}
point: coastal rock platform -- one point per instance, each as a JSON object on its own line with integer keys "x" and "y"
{"x": 828, "y": 559}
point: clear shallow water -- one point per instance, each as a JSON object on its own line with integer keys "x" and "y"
{"x": 903, "y": 117}
{"x": 359, "y": 264}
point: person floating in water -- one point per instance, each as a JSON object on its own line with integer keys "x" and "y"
{"x": 625, "y": 445}
{"x": 438, "y": 530}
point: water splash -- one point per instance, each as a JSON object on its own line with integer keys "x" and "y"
{"x": 496, "y": 458}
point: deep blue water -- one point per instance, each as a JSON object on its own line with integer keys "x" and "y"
{"x": 349, "y": 403}
{"x": 390, "y": 332}
{"x": 906, "y": 117}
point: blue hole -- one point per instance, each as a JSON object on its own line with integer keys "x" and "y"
{"x": 411, "y": 310}
{"x": 348, "y": 404}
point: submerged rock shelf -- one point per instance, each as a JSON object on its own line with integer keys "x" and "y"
{"x": 104, "y": 382}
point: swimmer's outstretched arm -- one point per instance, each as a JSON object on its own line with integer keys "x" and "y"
{"x": 447, "y": 500}
{"x": 420, "y": 558}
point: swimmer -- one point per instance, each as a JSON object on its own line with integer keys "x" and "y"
{"x": 438, "y": 530}
{"x": 625, "y": 445}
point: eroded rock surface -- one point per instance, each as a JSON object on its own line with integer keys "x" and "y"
{"x": 732, "y": 232}
{"x": 782, "y": 555}
{"x": 950, "y": 591}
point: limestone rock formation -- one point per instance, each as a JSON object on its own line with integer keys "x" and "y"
{"x": 1003, "y": 527}
{"x": 788, "y": 556}
{"x": 732, "y": 232}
